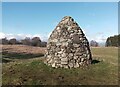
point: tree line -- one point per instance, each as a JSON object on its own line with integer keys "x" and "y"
{"x": 113, "y": 41}
{"x": 110, "y": 41}
{"x": 35, "y": 41}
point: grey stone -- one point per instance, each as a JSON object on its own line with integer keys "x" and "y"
{"x": 64, "y": 55}
{"x": 60, "y": 52}
{"x": 53, "y": 65}
{"x": 82, "y": 59}
{"x": 66, "y": 66}
{"x": 76, "y": 39}
{"x": 58, "y": 44}
{"x": 76, "y": 65}
{"x": 70, "y": 65}
{"x": 71, "y": 54}
{"x": 78, "y": 54}
{"x": 64, "y": 62}
{"x": 76, "y": 45}
{"x": 62, "y": 40}
{"x": 75, "y": 57}
{"x": 64, "y": 59}
{"x": 67, "y": 46}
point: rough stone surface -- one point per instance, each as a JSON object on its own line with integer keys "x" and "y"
{"x": 67, "y": 46}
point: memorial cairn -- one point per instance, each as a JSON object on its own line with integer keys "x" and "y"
{"x": 67, "y": 46}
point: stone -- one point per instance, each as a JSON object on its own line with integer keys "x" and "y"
{"x": 50, "y": 61}
{"x": 63, "y": 55}
{"x": 54, "y": 40}
{"x": 64, "y": 59}
{"x": 82, "y": 59}
{"x": 68, "y": 50}
{"x": 75, "y": 57}
{"x": 78, "y": 54}
{"x": 66, "y": 66}
{"x": 81, "y": 63}
{"x": 70, "y": 54}
{"x": 76, "y": 45}
{"x": 58, "y": 44}
{"x": 76, "y": 39}
{"x": 59, "y": 52}
{"x": 70, "y": 65}
{"x": 76, "y": 65}
{"x": 62, "y": 40}
{"x": 64, "y": 62}
{"x": 53, "y": 65}
{"x": 69, "y": 28}
{"x": 67, "y": 46}
{"x": 58, "y": 28}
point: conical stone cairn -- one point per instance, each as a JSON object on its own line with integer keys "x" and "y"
{"x": 67, "y": 46}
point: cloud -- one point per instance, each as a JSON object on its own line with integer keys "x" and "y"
{"x": 22, "y": 36}
{"x": 99, "y": 37}
{"x": 17, "y": 36}
{"x": 2, "y": 35}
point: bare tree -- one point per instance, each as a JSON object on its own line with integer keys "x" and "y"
{"x": 93, "y": 43}
{"x": 36, "y": 41}
{"x": 43, "y": 44}
{"x": 13, "y": 41}
{"x": 26, "y": 41}
{"x": 4, "y": 41}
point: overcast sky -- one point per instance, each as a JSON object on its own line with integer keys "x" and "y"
{"x": 98, "y": 20}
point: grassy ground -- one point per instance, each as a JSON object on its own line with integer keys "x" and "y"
{"x": 34, "y": 72}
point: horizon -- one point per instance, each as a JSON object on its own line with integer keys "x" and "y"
{"x": 25, "y": 19}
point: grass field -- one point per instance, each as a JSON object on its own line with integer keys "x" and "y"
{"x": 29, "y": 69}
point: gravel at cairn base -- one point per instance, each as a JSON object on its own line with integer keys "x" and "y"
{"x": 67, "y": 46}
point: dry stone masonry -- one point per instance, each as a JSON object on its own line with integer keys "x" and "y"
{"x": 67, "y": 46}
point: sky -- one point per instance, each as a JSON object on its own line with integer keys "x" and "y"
{"x": 60, "y": 0}
{"x": 98, "y": 20}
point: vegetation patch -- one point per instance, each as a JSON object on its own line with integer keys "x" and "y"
{"x": 20, "y": 55}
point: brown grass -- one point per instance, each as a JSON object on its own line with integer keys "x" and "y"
{"x": 22, "y": 49}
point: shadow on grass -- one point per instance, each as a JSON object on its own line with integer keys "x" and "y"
{"x": 5, "y": 60}
{"x": 95, "y": 61}
{"x": 6, "y": 55}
